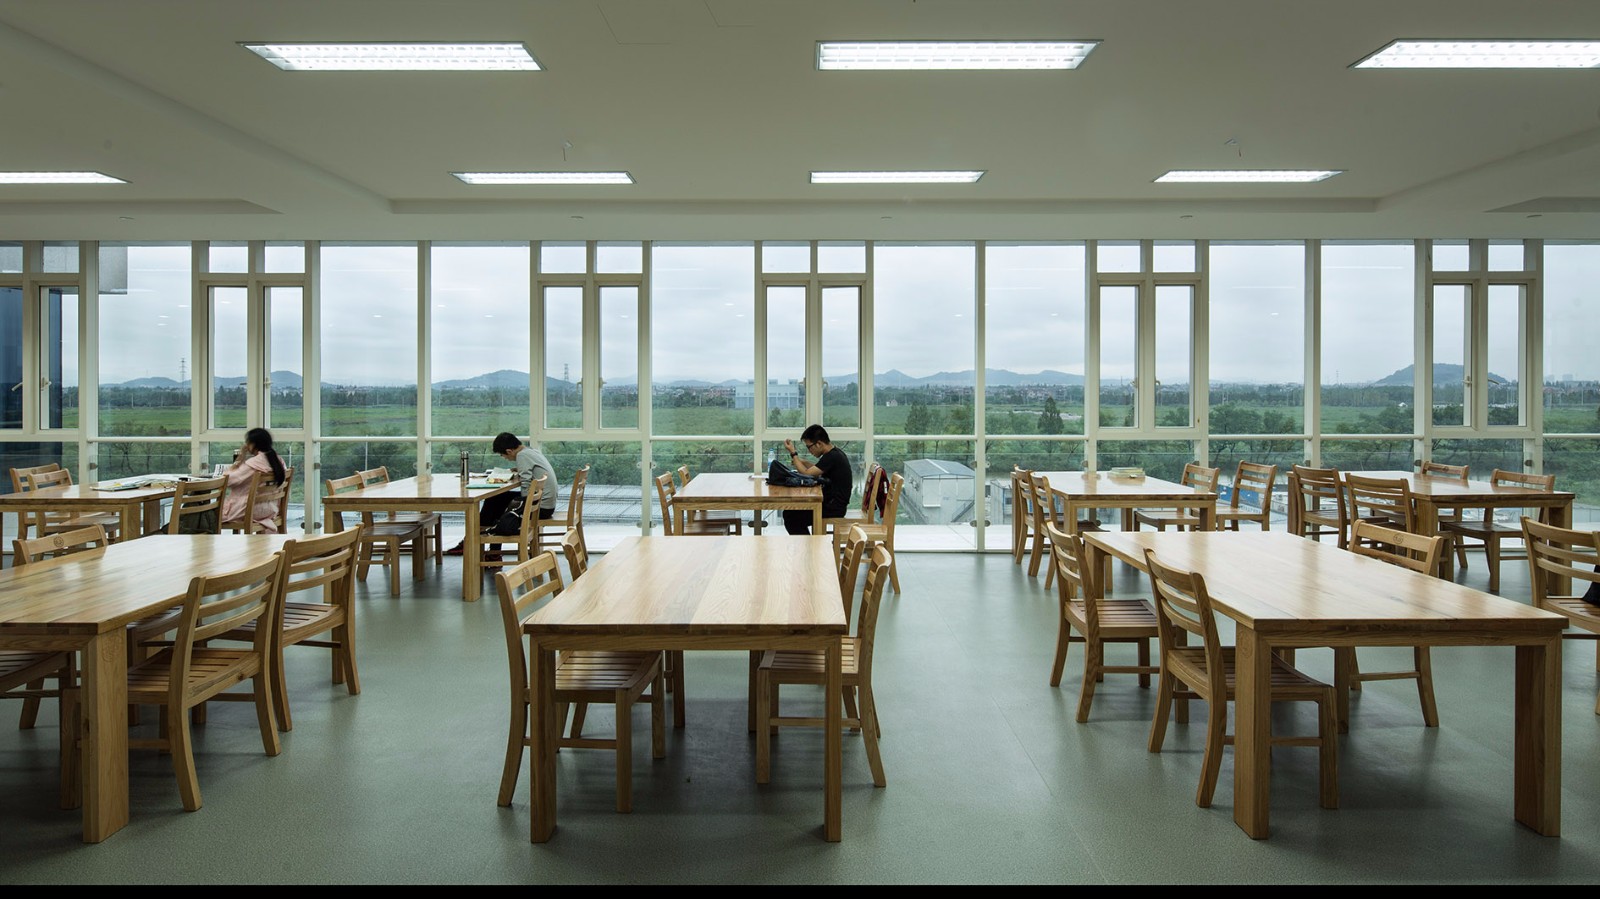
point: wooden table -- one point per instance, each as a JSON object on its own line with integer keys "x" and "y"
{"x": 84, "y": 602}
{"x": 424, "y": 493}
{"x": 1079, "y": 490}
{"x": 1285, "y": 591}
{"x": 82, "y": 498}
{"x": 1430, "y": 494}
{"x": 738, "y": 492}
{"x": 709, "y": 593}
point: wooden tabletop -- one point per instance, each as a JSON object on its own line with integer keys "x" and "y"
{"x": 84, "y": 495}
{"x": 733, "y": 488}
{"x": 443, "y": 488}
{"x": 713, "y": 586}
{"x": 1273, "y": 581}
{"x": 103, "y": 590}
{"x": 1452, "y": 490}
{"x": 1077, "y": 484}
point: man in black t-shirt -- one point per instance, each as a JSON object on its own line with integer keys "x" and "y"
{"x": 831, "y": 464}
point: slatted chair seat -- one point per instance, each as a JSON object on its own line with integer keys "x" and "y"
{"x": 797, "y": 664}
{"x": 595, "y": 676}
{"x": 1580, "y": 611}
{"x": 1287, "y": 681}
{"x": 1573, "y": 555}
{"x": 209, "y": 668}
{"x": 1118, "y": 617}
{"x": 432, "y": 522}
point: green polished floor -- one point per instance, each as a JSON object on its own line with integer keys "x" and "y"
{"x": 990, "y": 779}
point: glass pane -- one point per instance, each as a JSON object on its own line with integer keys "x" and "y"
{"x": 1226, "y": 454}
{"x": 126, "y": 460}
{"x": 28, "y": 455}
{"x": 841, "y": 256}
{"x": 779, "y": 256}
{"x": 1174, "y": 360}
{"x": 144, "y": 340}
{"x": 480, "y": 339}
{"x": 563, "y": 357}
{"x": 1174, "y": 256}
{"x": 287, "y": 257}
{"x": 342, "y": 459}
{"x": 229, "y": 257}
{"x": 1117, "y": 256}
{"x": 1450, "y": 256}
{"x": 1481, "y": 457}
{"x": 1451, "y": 308}
{"x": 612, "y": 499}
{"x": 702, "y": 309}
{"x": 230, "y": 354}
{"x": 1506, "y": 305}
{"x": 786, "y": 357}
{"x": 1035, "y": 339}
{"x": 1258, "y": 301}
{"x": 939, "y": 502}
{"x": 10, "y": 358}
{"x": 619, "y": 357}
{"x": 1162, "y": 459}
{"x": 1506, "y": 256}
{"x": 1033, "y": 455}
{"x": 563, "y": 258}
{"x": 286, "y": 362}
{"x": 10, "y": 257}
{"x": 1119, "y": 356}
{"x": 619, "y": 258}
{"x": 1368, "y": 295}
{"x": 60, "y": 360}
{"x": 61, "y": 256}
{"x": 1368, "y": 455}
{"x": 1576, "y": 465}
{"x": 1571, "y": 367}
{"x": 925, "y": 367}
{"x": 841, "y": 357}
{"x": 369, "y": 340}
{"x": 702, "y": 457}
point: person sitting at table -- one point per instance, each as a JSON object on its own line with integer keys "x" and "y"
{"x": 528, "y": 464}
{"x": 832, "y": 465}
{"x": 256, "y": 457}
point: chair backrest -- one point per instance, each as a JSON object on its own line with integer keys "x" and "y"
{"x": 1444, "y": 472}
{"x": 520, "y": 587}
{"x": 891, "y": 509}
{"x": 19, "y": 476}
{"x": 871, "y": 598}
{"x": 851, "y": 556}
{"x": 577, "y": 554}
{"x": 871, "y": 489}
{"x": 278, "y": 495}
{"x": 1412, "y": 551}
{"x": 332, "y": 486}
{"x": 24, "y": 552}
{"x": 528, "y": 534}
{"x": 1544, "y": 482}
{"x": 683, "y": 476}
{"x": 1075, "y": 578}
{"x": 580, "y": 486}
{"x": 1316, "y": 491}
{"x": 1022, "y": 493}
{"x": 1254, "y": 477}
{"x": 1200, "y": 477}
{"x": 1561, "y": 552}
{"x": 218, "y": 604}
{"x": 41, "y": 480}
{"x": 1385, "y": 498}
{"x": 320, "y": 562}
{"x": 1182, "y": 603}
{"x": 664, "y": 493}
{"x": 379, "y": 475}
{"x": 195, "y": 498}
{"x": 1042, "y": 503}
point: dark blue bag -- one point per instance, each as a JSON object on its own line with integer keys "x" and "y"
{"x": 781, "y": 475}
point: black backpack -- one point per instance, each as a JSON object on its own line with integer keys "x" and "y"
{"x": 781, "y": 475}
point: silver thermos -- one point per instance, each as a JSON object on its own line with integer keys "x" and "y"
{"x": 465, "y": 475}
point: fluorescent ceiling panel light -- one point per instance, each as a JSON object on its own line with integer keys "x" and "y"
{"x": 1494, "y": 54}
{"x": 951, "y": 55}
{"x": 397, "y": 57}
{"x": 58, "y": 178}
{"x": 895, "y": 177}
{"x": 1256, "y": 176}
{"x": 545, "y": 177}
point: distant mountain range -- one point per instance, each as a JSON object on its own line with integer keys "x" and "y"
{"x": 1443, "y": 373}
{"x": 281, "y": 380}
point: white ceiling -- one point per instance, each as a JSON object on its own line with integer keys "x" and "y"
{"x": 717, "y": 109}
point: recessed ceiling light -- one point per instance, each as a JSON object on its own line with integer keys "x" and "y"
{"x": 544, "y": 177}
{"x": 1492, "y": 54}
{"x": 1248, "y": 176}
{"x": 397, "y": 57}
{"x": 58, "y": 178}
{"x": 895, "y": 177}
{"x": 951, "y": 55}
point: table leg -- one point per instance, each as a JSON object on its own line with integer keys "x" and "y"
{"x": 542, "y": 732}
{"x": 104, "y": 736}
{"x": 832, "y": 751}
{"x": 1538, "y": 737}
{"x": 1252, "y": 750}
{"x": 472, "y": 559}
{"x": 750, "y": 691}
{"x": 1342, "y": 657}
{"x": 152, "y": 516}
{"x": 1428, "y": 526}
{"x": 816, "y": 519}
{"x": 130, "y": 520}
{"x": 1208, "y": 516}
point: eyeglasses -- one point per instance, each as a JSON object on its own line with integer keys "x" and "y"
{"x": 809, "y": 444}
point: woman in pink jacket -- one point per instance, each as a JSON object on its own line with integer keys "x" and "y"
{"x": 255, "y": 458}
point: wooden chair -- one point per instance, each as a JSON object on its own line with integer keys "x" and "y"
{"x": 1021, "y": 511}
{"x": 1207, "y": 672}
{"x": 572, "y": 519}
{"x": 1099, "y": 621}
{"x": 326, "y": 565}
{"x": 854, "y": 552}
{"x": 1385, "y": 502}
{"x": 432, "y": 523}
{"x": 711, "y": 515}
{"x": 193, "y": 501}
{"x": 867, "y": 513}
{"x": 381, "y": 541}
{"x": 809, "y": 666}
{"x": 525, "y": 542}
{"x": 1565, "y": 553}
{"x": 692, "y": 527}
{"x": 576, "y": 553}
{"x": 1316, "y": 504}
{"x": 883, "y": 531}
{"x": 620, "y": 678}
{"x": 1457, "y": 474}
{"x": 19, "y": 484}
{"x": 1046, "y": 519}
{"x": 1249, "y": 477}
{"x": 1488, "y": 532}
{"x": 188, "y": 673}
{"x": 263, "y": 490}
{"x": 37, "y": 549}
{"x": 55, "y": 522}
{"x": 1194, "y": 475}
{"x": 1414, "y": 552}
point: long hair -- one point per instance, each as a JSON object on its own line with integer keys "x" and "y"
{"x": 261, "y": 439}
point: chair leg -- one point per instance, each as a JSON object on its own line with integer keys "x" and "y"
{"x": 261, "y": 689}
{"x": 850, "y": 710}
{"x": 346, "y": 637}
{"x": 658, "y": 717}
{"x": 1093, "y": 661}
{"x": 624, "y": 753}
{"x": 764, "y": 691}
{"x": 870, "y": 735}
{"x": 1063, "y": 643}
{"x": 1158, "y": 723}
{"x": 1355, "y": 671}
{"x": 1328, "y": 751}
{"x": 182, "y": 749}
{"x": 894, "y": 572}
{"x": 579, "y": 712}
{"x": 391, "y": 559}
{"x": 1216, "y": 737}
{"x": 516, "y": 742}
{"x": 280, "y": 691}
{"x": 364, "y": 560}
{"x": 1491, "y": 556}
{"x": 1144, "y": 662}
{"x": 30, "y": 707}
{"x": 1430, "y": 709}
{"x": 1036, "y": 554}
